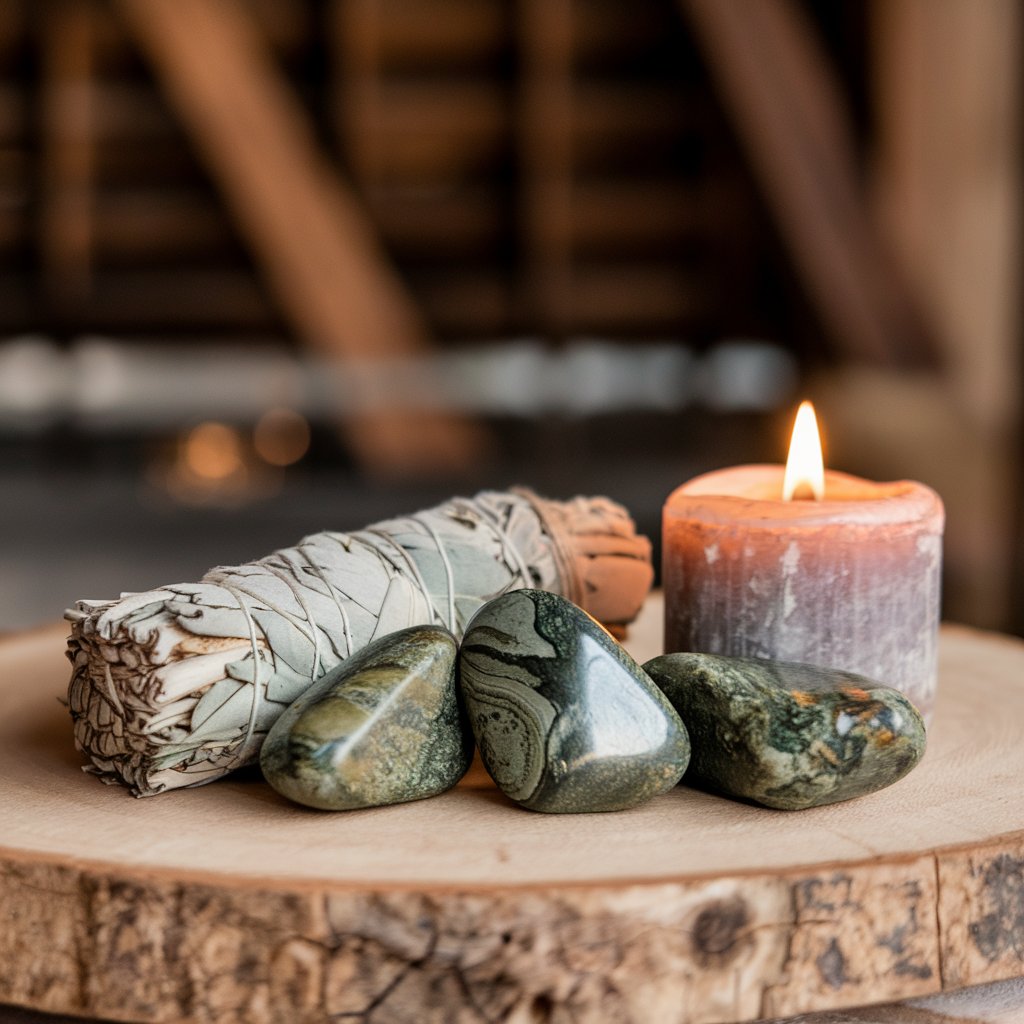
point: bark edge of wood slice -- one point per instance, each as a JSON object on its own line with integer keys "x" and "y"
{"x": 226, "y": 904}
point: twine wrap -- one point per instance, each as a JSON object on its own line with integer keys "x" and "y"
{"x": 178, "y": 686}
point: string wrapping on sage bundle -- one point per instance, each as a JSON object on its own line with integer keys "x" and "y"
{"x": 177, "y": 686}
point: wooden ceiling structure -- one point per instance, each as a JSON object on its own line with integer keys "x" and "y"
{"x": 466, "y": 169}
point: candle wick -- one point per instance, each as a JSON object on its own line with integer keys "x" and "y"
{"x": 804, "y": 492}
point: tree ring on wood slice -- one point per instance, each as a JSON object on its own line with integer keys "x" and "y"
{"x": 225, "y": 903}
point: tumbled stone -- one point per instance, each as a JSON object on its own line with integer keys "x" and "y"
{"x": 788, "y": 735}
{"x": 381, "y": 728}
{"x": 564, "y": 718}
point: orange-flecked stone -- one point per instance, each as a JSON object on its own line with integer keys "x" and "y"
{"x": 788, "y": 735}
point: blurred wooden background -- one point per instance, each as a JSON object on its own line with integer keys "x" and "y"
{"x": 379, "y": 179}
{"x": 452, "y": 119}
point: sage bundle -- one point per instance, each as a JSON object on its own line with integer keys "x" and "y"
{"x": 178, "y": 686}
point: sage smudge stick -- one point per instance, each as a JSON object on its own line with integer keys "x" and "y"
{"x": 178, "y": 686}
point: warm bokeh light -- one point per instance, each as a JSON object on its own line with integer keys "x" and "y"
{"x": 805, "y": 467}
{"x": 213, "y": 451}
{"x": 214, "y": 464}
{"x": 281, "y": 436}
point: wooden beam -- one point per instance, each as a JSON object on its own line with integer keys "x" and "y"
{"x": 453, "y": 32}
{"x": 947, "y": 91}
{"x": 947, "y": 183}
{"x": 355, "y": 27}
{"x": 789, "y": 116}
{"x": 68, "y": 153}
{"x": 303, "y": 223}
{"x": 546, "y": 167}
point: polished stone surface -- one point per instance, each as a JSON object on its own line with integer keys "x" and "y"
{"x": 786, "y": 735}
{"x": 383, "y": 727}
{"x": 565, "y": 720}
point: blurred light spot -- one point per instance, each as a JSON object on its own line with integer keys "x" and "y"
{"x": 213, "y": 451}
{"x": 281, "y": 436}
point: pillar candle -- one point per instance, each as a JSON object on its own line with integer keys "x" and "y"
{"x": 850, "y": 582}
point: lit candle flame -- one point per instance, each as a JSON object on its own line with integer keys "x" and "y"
{"x": 805, "y": 468}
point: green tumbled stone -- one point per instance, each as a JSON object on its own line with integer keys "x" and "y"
{"x": 382, "y": 728}
{"x": 565, "y": 720}
{"x": 788, "y": 735}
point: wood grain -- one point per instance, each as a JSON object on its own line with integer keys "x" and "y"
{"x": 225, "y": 903}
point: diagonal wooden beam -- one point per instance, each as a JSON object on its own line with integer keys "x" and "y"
{"x": 302, "y": 221}
{"x": 788, "y": 114}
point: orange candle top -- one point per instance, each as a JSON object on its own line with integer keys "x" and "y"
{"x": 754, "y": 493}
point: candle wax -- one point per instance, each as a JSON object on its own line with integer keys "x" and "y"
{"x": 849, "y": 582}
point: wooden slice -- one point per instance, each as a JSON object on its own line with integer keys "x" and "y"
{"x": 228, "y": 904}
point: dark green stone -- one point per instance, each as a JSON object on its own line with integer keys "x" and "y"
{"x": 787, "y": 735}
{"x": 565, "y": 720}
{"x": 382, "y": 728}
